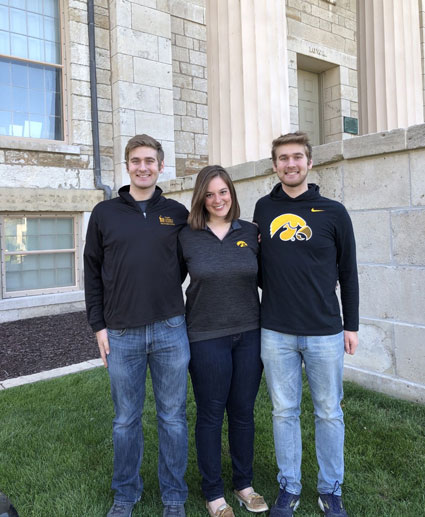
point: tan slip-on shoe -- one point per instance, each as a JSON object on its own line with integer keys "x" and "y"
{"x": 253, "y": 502}
{"x": 222, "y": 511}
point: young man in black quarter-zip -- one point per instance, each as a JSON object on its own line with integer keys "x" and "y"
{"x": 133, "y": 274}
{"x": 307, "y": 247}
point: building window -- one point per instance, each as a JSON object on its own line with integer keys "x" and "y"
{"x": 38, "y": 254}
{"x": 31, "y": 70}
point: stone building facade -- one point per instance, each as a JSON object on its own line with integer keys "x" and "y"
{"x": 214, "y": 82}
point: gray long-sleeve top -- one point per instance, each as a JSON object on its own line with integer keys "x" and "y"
{"x": 222, "y": 297}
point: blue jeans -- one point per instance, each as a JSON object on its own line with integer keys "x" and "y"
{"x": 165, "y": 347}
{"x": 323, "y": 357}
{"x": 226, "y": 374}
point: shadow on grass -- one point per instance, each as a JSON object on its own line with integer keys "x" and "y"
{"x": 56, "y": 452}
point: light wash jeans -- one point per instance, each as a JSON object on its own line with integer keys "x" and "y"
{"x": 323, "y": 356}
{"x": 165, "y": 347}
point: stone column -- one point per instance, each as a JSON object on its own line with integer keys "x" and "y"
{"x": 248, "y": 95}
{"x": 389, "y": 65}
{"x": 142, "y": 84}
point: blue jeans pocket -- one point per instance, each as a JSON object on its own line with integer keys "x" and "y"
{"x": 175, "y": 321}
{"x": 116, "y": 332}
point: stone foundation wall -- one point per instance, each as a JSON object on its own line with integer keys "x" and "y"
{"x": 380, "y": 179}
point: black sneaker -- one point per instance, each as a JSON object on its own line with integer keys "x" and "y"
{"x": 6, "y": 507}
{"x": 120, "y": 510}
{"x": 174, "y": 510}
{"x": 285, "y": 504}
{"x": 332, "y": 505}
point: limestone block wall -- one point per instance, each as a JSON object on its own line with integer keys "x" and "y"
{"x": 322, "y": 40}
{"x": 29, "y": 163}
{"x": 380, "y": 179}
{"x": 189, "y": 52}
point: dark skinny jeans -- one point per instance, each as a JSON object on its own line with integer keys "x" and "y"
{"x": 226, "y": 374}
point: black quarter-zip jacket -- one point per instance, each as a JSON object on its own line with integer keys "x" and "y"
{"x": 307, "y": 246}
{"x": 132, "y": 265}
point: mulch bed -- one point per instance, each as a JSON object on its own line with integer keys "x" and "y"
{"x": 33, "y": 345}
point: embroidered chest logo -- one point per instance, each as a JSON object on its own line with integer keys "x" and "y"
{"x": 292, "y": 227}
{"x": 241, "y": 244}
{"x": 167, "y": 221}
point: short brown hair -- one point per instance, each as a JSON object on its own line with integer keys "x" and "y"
{"x": 198, "y": 216}
{"x": 144, "y": 141}
{"x": 293, "y": 138}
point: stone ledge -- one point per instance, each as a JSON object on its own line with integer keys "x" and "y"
{"x": 328, "y": 153}
{"x": 24, "y": 302}
{"x": 375, "y": 143}
{"x": 415, "y": 136}
{"x": 30, "y": 144}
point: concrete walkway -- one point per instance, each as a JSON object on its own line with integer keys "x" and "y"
{"x": 50, "y": 374}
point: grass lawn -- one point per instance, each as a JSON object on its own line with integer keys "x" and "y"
{"x": 56, "y": 452}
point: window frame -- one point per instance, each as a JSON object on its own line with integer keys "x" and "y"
{"x": 64, "y": 83}
{"x": 76, "y": 250}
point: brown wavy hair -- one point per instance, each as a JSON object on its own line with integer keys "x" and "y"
{"x": 293, "y": 138}
{"x": 198, "y": 216}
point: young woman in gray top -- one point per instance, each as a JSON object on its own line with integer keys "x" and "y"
{"x": 223, "y": 321}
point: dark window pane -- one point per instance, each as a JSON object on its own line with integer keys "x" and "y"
{"x": 55, "y": 128}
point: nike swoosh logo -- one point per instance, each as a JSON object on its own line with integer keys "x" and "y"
{"x": 315, "y": 210}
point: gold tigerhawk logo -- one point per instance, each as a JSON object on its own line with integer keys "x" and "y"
{"x": 293, "y": 228}
{"x": 241, "y": 244}
{"x": 168, "y": 221}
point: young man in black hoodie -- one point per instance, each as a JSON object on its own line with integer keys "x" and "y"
{"x": 307, "y": 247}
{"x": 133, "y": 273}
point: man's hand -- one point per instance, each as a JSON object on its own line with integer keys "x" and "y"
{"x": 351, "y": 340}
{"x": 103, "y": 344}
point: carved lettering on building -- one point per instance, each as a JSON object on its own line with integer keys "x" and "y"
{"x": 317, "y": 51}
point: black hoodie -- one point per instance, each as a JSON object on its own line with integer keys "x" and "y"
{"x": 307, "y": 246}
{"x": 132, "y": 267}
